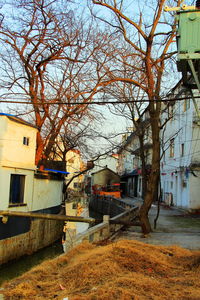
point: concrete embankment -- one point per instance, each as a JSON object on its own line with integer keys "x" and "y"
{"x": 116, "y": 213}
{"x": 106, "y": 205}
{"x": 42, "y": 233}
{"x": 102, "y": 231}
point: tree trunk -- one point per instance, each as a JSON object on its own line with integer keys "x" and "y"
{"x": 39, "y": 150}
{"x": 152, "y": 185}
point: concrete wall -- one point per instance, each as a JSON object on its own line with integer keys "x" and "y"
{"x": 74, "y": 164}
{"x": 177, "y": 181}
{"x": 38, "y": 194}
{"x": 103, "y": 230}
{"x": 105, "y": 177}
{"x": 106, "y": 205}
{"x": 5, "y": 175}
{"x": 194, "y": 190}
{"x": 42, "y": 233}
{"x": 19, "y": 236}
{"x": 46, "y": 193}
{"x": 12, "y": 150}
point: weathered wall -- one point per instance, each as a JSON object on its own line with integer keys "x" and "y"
{"x": 103, "y": 230}
{"x": 105, "y": 177}
{"x": 46, "y": 193}
{"x": 194, "y": 190}
{"x": 74, "y": 164}
{"x": 21, "y": 235}
{"x": 106, "y": 206}
{"x": 12, "y": 150}
{"x": 38, "y": 194}
{"x": 41, "y": 234}
{"x": 5, "y": 175}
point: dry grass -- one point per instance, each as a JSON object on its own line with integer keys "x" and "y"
{"x": 122, "y": 270}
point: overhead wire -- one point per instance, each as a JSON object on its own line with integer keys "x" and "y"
{"x": 99, "y": 102}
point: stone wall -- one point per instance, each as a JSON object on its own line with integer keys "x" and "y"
{"x": 41, "y": 234}
{"x": 102, "y": 231}
{"x": 106, "y": 205}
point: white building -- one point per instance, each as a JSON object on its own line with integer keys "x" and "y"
{"x": 75, "y": 165}
{"x": 24, "y": 189}
{"x": 180, "y": 164}
{"x": 129, "y": 164}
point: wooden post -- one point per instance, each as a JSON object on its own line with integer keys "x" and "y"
{"x": 46, "y": 216}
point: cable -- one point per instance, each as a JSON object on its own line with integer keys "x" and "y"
{"x": 100, "y": 102}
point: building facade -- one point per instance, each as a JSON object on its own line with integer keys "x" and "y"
{"x": 129, "y": 163}
{"x": 180, "y": 163}
{"x": 25, "y": 189}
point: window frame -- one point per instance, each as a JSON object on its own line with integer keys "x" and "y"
{"x": 171, "y": 148}
{"x": 182, "y": 149}
{"x": 26, "y": 141}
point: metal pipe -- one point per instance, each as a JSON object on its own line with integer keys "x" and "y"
{"x": 46, "y": 216}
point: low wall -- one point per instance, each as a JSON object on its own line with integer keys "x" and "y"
{"x": 103, "y": 230}
{"x": 106, "y": 205}
{"x": 42, "y": 233}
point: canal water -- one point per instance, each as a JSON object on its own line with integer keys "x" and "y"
{"x": 16, "y": 268}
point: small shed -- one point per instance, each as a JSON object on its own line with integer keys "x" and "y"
{"x": 105, "y": 177}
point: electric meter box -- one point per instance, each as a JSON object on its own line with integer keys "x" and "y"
{"x": 188, "y": 34}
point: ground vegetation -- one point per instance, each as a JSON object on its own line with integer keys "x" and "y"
{"x": 119, "y": 270}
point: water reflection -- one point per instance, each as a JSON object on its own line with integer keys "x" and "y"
{"x": 25, "y": 263}
{"x": 16, "y": 268}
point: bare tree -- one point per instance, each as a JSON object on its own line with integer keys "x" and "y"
{"x": 77, "y": 136}
{"x": 46, "y": 57}
{"x": 132, "y": 108}
{"x": 147, "y": 34}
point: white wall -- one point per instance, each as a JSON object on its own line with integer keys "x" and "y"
{"x": 47, "y": 193}
{"x": 74, "y": 166}
{"x": 175, "y": 178}
{"x": 38, "y": 193}
{"x": 12, "y": 151}
{"x": 5, "y": 174}
{"x": 16, "y": 158}
{"x": 195, "y": 190}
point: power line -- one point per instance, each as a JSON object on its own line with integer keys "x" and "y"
{"x": 100, "y": 102}
{"x": 178, "y": 158}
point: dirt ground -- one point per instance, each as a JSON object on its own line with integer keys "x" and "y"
{"x": 124, "y": 269}
{"x": 174, "y": 227}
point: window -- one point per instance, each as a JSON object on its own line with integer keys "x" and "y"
{"x": 77, "y": 185}
{"x": 25, "y": 141}
{"x": 171, "y": 112}
{"x": 182, "y": 150}
{"x": 17, "y": 183}
{"x": 140, "y": 185}
{"x": 171, "y": 148}
{"x": 74, "y": 206}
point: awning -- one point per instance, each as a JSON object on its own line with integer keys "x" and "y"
{"x": 135, "y": 172}
{"x": 56, "y": 171}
